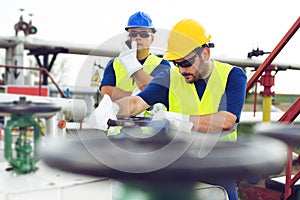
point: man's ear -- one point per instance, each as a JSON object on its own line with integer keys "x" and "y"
{"x": 152, "y": 38}
{"x": 206, "y": 54}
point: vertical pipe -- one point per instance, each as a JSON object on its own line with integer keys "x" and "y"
{"x": 288, "y": 174}
{"x": 17, "y": 75}
{"x": 267, "y": 102}
{"x": 51, "y": 127}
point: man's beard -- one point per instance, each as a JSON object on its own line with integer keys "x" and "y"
{"x": 194, "y": 79}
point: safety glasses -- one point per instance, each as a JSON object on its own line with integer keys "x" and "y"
{"x": 186, "y": 63}
{"x": 143, "y": 34}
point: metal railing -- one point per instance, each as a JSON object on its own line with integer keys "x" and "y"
{"x": 41, "y": 71}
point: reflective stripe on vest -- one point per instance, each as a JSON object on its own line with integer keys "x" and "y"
{"x": 126, "y": 83}
{"x": 183, "y": 97}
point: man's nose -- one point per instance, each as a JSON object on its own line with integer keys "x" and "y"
{"x": 182, "y": 69}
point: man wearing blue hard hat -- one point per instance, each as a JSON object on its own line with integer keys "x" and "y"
{"x": 136, "y": 66}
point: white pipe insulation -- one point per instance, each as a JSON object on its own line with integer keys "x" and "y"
{"x": 75, "y": 109}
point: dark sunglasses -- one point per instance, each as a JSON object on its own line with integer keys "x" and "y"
{"x": 143, "y": 34}
{"x": 186, "y": 63}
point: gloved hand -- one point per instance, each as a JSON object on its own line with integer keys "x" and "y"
{"x": 177, "y": 121}
{"x": 128, "y": 58}
{"x": 106, "y": 110}
{"x": 135, "y": 91}
{"x": 156, "y": 108}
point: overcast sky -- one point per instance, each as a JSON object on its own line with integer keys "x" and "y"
{"x": 236, "y": 26}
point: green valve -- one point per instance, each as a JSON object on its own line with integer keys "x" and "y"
{"x": 23, "y": 152}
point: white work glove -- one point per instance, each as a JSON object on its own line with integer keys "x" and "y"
{"x": 177, "y": 121}
{"x": 106, "y": 110}
{"x": 156, "y": 108}
{"x": 128, "y": 58}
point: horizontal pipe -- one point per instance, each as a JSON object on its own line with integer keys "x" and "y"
{"x": 75, "y": 109}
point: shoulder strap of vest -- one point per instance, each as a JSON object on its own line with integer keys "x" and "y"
{"x": 151, "y": 63}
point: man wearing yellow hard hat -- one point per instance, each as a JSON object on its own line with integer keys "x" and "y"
{"x": 201, "y": 94}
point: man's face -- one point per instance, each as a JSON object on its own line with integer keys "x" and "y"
{"x": 193, "y": 66}
{"x": 143, "y": 36}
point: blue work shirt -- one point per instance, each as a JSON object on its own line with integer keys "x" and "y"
{"x": 232, "y": 100}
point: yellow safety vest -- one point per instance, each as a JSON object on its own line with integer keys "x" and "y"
{"x": 183, "y": 97}
{"x": 126, "y": 83}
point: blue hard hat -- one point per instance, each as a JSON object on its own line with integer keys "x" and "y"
{"x": 140, "y": 20}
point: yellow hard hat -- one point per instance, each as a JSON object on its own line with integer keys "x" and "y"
{"x": 185, "y": 36}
